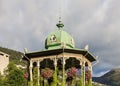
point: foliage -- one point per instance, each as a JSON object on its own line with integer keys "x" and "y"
{"x": 72, "y": 72}
{"x": 1, "y": 80}
{"x": 47, "y": 73}
{"x": 35, "y": 76}
{"x": 88, "y": 75}
{"x": 26, "y": 75}
{"x": 89, "y": 82}
{"x": 55, "y": 81}
{"x": 88, "y": 78}
{"x": 81, "y": 80}
{"x": 11, "y": 67}
{"x": 13, "y": 76}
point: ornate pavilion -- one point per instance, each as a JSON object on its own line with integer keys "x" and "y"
{"x": 60, "y": 64}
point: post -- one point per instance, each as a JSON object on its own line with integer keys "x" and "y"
{"x": 81, "y": 76}
{"x": 63, "y": 69}
{"x": 90, "y": 76}
{"x": 55, "y": 73}
{"x": 38, "y": 75}
{"x": 83, "y": 73}
{"x": 31, "y": 76}
{"x": 63, "y": 65}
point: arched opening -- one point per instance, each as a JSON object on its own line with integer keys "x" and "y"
{"x": 47, "y": 63}
{"x": 72, "y": 62}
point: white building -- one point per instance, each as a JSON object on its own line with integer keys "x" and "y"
{"x": 4, "y": 61}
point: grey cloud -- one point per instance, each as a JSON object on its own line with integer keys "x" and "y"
{"x": 26, "y": 23}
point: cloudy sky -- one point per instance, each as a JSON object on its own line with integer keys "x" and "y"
{"x": 26, "y": 24}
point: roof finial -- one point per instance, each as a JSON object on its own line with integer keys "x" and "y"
{"x": 60, "y": 24}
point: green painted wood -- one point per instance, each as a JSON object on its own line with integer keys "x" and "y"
{"x": 55, "y": 40}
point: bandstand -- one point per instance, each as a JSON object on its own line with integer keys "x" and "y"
{"x": 60, "y": 64}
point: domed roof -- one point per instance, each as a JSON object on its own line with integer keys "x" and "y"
{"x": 59, "y": 39}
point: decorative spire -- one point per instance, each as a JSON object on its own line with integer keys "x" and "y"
{"x": 60, "y": 24}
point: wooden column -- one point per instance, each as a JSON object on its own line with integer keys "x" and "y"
{"x": 55, "y": 72}
{"x": 31, "y": 75}
{"x": 63, "y": 70}
{"x": 83, "y": 73}
{"x": 38, "y": 71}
{"x": 81, "y": 76}
{"x": 90, "y": 80}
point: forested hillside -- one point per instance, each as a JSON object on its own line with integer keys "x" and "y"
{"x": 15, "y": 56}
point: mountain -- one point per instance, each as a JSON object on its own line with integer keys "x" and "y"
{"x": 112, "y": 78}
{"x": 15, "y": 56}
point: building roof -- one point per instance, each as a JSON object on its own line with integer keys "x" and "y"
{"x": 85, "y": 53}
{"x": 59, "y": 38}
{"x": 58, "y": 42}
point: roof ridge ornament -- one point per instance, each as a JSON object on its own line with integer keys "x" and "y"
{"x": 60, "y": 24}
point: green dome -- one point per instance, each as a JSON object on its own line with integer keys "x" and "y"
{"x": 59, "y": 39}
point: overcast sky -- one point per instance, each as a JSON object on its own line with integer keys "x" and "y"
{"x": 26, "y": 24}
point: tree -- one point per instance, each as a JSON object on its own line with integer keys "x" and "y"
{"x": 35, "y": 77}
{"x": 11, "y": 66}
{"x": 1, "y": 79}
{"x": 14, "y": 76}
